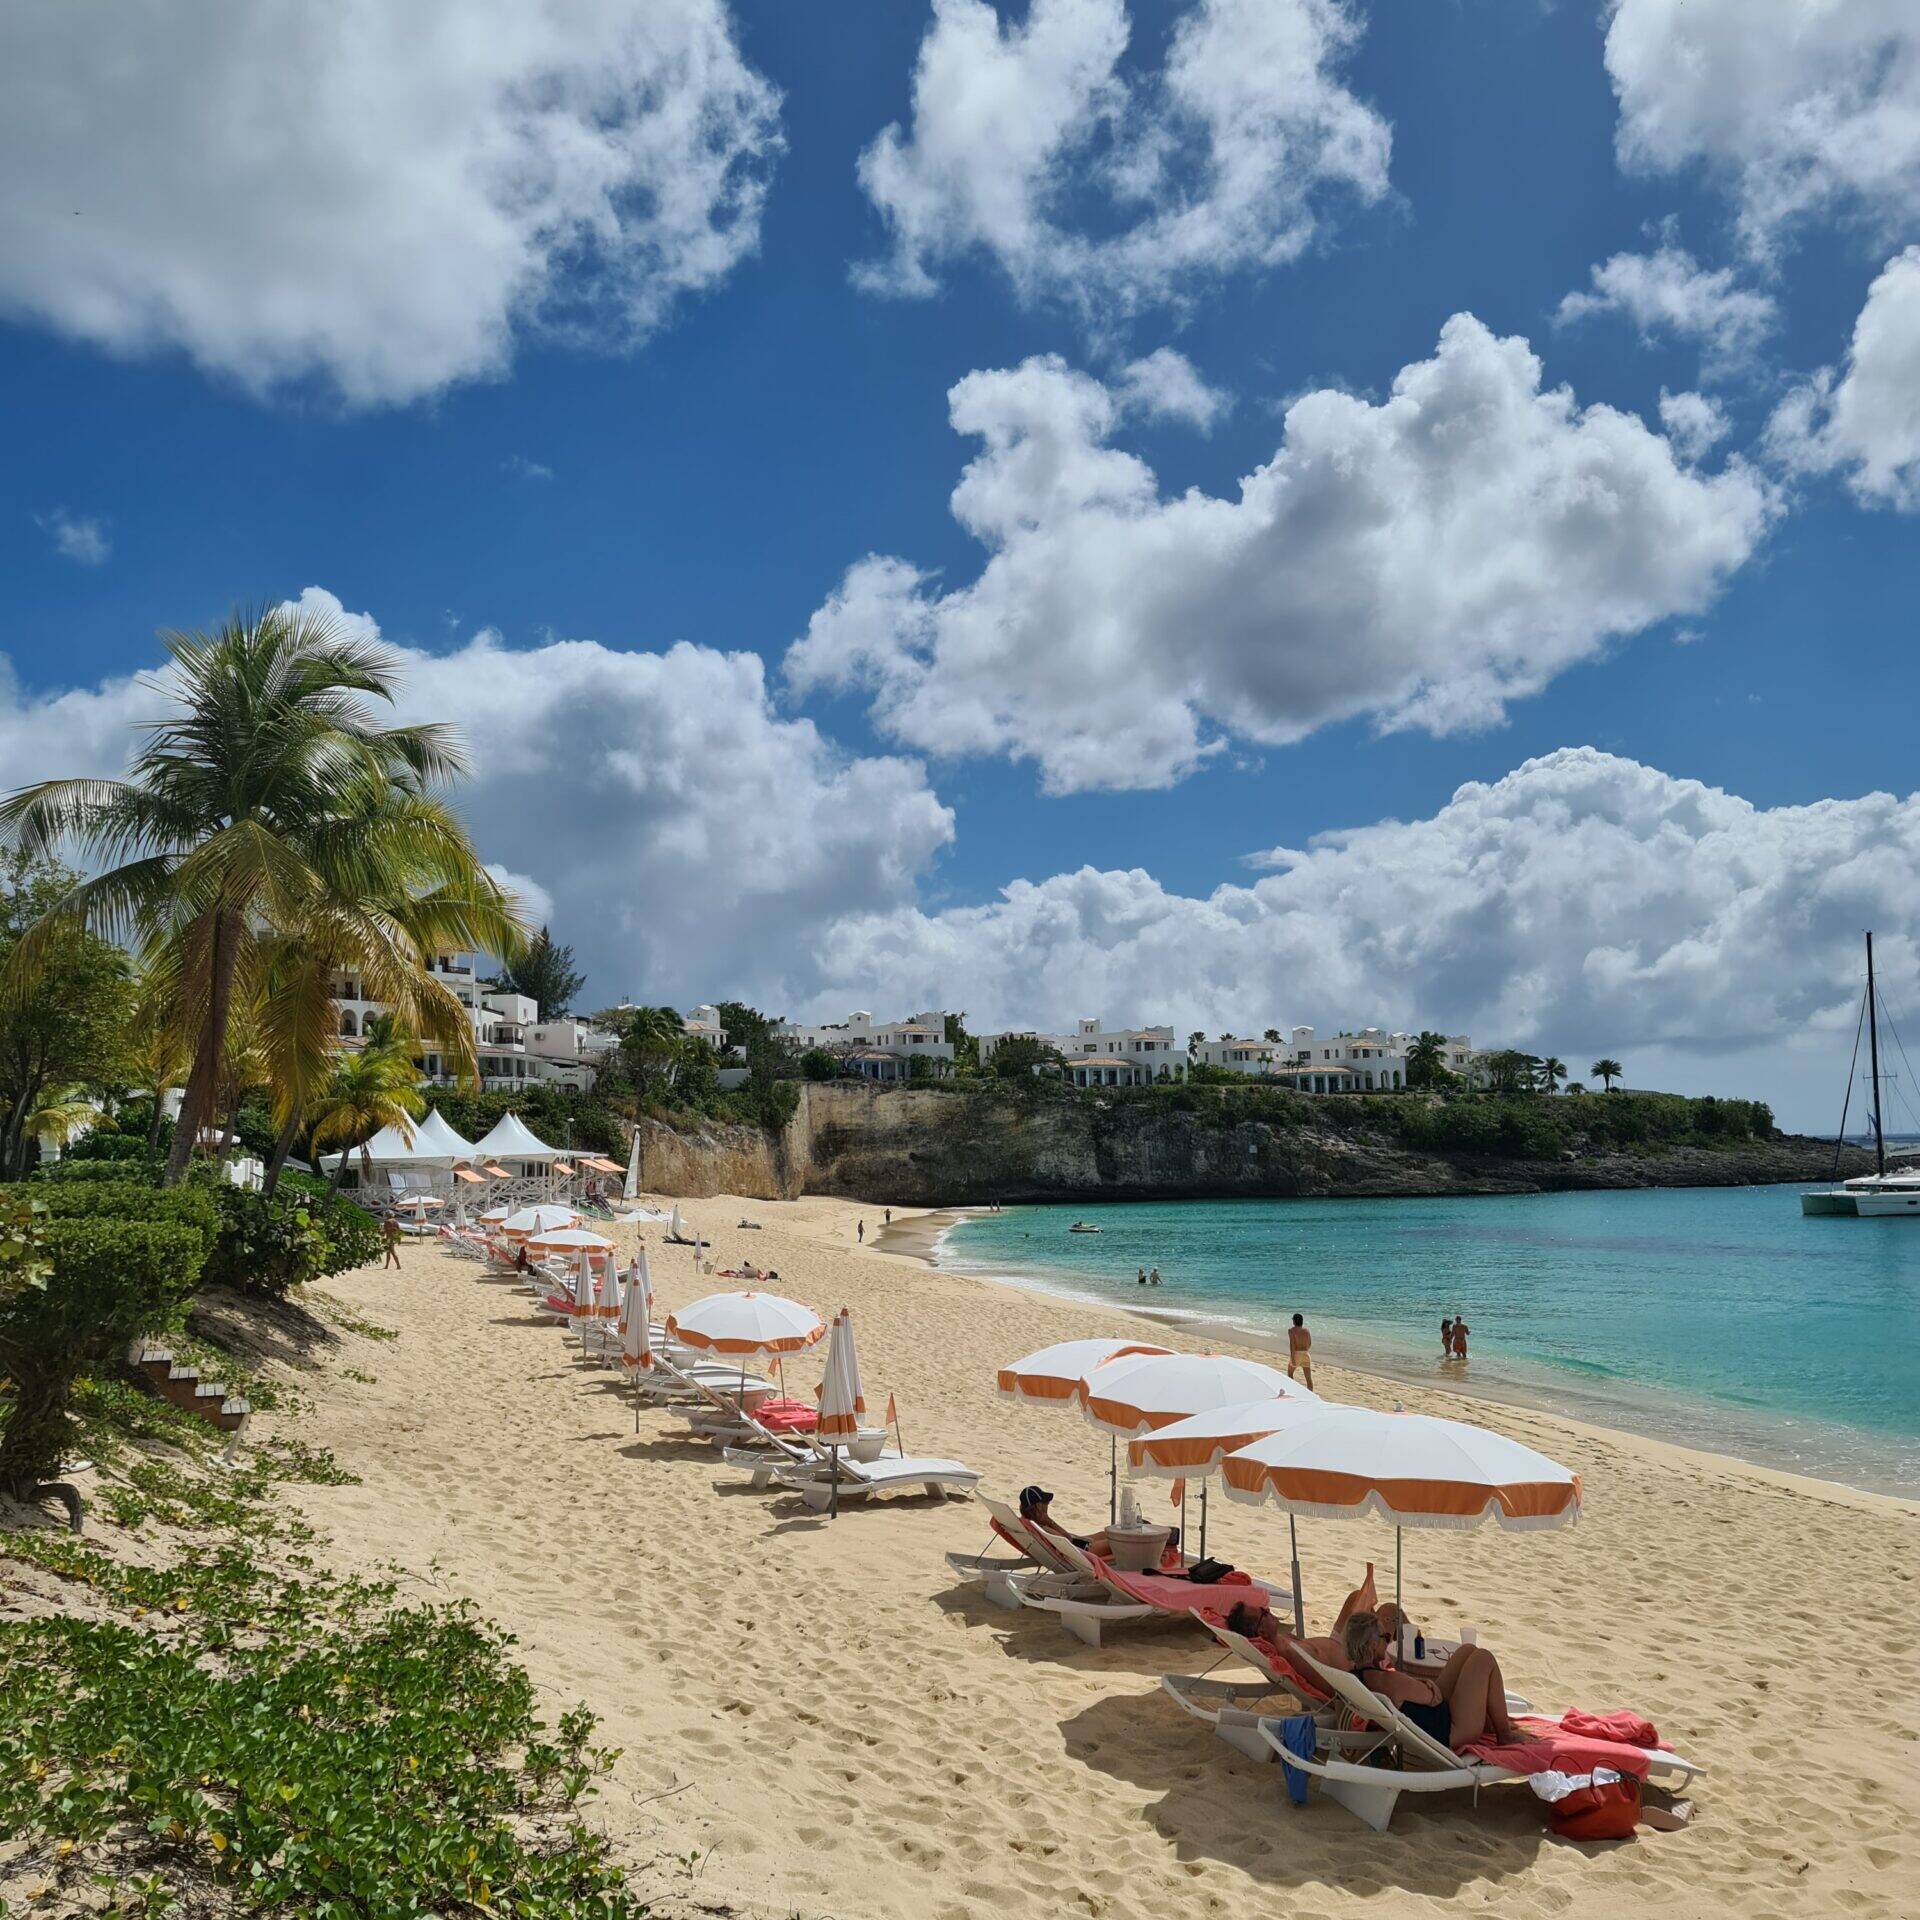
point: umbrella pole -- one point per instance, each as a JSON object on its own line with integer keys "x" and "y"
{"x": 1113, "y": 1479}
{"x": 1396, "y": 1566}
{"x": 1299, "y": 1605}
{"x": 833, "y": 1477}
{"x": 1203, "y": 1519}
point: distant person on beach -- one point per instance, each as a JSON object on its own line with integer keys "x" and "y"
{"x": 1446, "y": 1337}
{"x": 1300, "y": 1349}
{"x": 888, "y": 1221}
{"x": 860, "y": 1231}
{"x": 1460, "y": 1332}
{"x": 390, "y": 1233}
{"x": 1153, "y": 1277}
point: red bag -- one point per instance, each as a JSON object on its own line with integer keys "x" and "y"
{"x": 1607, "y": 1810}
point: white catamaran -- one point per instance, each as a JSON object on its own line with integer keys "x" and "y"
{"x": 1879, "y": 1195}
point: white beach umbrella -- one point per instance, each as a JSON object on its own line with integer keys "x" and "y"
{"x": 1052, "y": 1376}
{"x": 636, "y": 1318}
{"x": 1139, "y": 1393}
{"x": 582, "y": 1308}
{"x": 606, "y": 1287}
{"x": 630, "y": 1187}
{"x": 532, "y": 1220}
{"x": 1054, "y": 1373}
{"x": 842, "y": 1405}
{"x": 494, "y": 1216}
{"x": 1410, "y": 1468}
{"x": 568, "y": 1240}
{"x": 746, "y": 1323}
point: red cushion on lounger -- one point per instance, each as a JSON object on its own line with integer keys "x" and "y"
{"x": 787, "y": 1416}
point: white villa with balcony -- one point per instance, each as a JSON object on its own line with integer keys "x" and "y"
{"x": 513, "y": 1046}
{"x": 882, "y": 1050}
{"x": 1369, "y": 1061}
{"x": 1100, "y": 1056}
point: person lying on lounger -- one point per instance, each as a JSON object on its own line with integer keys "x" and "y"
{"x": 1036, "y": 1509}
{"x": 1465, "y": 1703}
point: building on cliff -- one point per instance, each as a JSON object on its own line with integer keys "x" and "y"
{"x": 1097, "y": 1056}
{"x": 884, "y": 1050}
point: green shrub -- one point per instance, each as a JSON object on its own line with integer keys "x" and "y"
{"x": 189, "y": 1207}
{"x": 268, "y": 1246}
{"x": 128, "y": 1172}
{"x": 818, "y": 1064}
{"x": 106, "y": 1146}
{"x": 111, "y": 1282}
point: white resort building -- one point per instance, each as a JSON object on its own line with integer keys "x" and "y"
{"x": 882, "y": 1050}
{"x": 513, "y": 1046}
{"x": 1097, "y": 1056}
{"x": 1369, "y": 1061}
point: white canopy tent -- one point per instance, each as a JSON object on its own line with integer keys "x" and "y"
{"x": 436, "y": 1135}
{"x": 511, "y": 1140}
{"x": 390, "y": 1148}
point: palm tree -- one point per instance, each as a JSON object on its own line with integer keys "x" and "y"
{"x": 1426, "y": 1060}
{"x": 269, "y": 800}
{"x": 374, "y": 1088}
{"x": 59, "y": 1113}
{"x": 1606, "y": 1072}
{"x": 654, "y": 1045}
{"x": 1551, "y": 1072}
{"x": 154, "y": 1052}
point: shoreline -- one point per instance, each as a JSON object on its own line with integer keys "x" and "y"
{"x": 1697, "y": 1427}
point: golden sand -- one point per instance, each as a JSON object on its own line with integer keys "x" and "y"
{"x": 815, "y": 1720}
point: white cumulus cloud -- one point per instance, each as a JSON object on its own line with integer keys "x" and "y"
{"x": 378, "y": 197}
{"x": 1166, "y": 385}
{"x": 1802, "y": 106}
{"x": 1864, "y": 418}
{"x": 1030, "y": 143}
{"x": 1694, "y": 422}
{"x": 1582, "y": 904}
{"x": 1669, "y": 292}
{"x": 1418, "y": 562}
{"x": 652, "y": 806}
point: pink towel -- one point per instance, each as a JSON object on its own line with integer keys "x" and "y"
{"x": 1182, "y": 1596}
{"x": 1628, "y": 1728}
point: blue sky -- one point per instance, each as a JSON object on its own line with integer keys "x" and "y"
{"x": 713, "y": 482}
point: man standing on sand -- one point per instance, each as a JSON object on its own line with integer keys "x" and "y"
{"x": 887, "y": 1217}
{"x": 390, "y": 1233}
{"x": 1300, "y": 1349}
{"x": 1460, "y": 1331}
{"x": 860, "y": 1231}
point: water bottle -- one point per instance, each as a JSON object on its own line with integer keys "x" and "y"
{"x": 1419, "y": 1644}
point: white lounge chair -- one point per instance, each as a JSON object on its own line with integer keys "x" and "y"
{"x": 1105, "y": 1595}
{"x": 857, "y": 1479}
{"x": 993, "y": 1572}
{"x": 1426, "y": 1765}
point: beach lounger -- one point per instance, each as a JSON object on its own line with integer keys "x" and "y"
{"x": 992, "y": 1572}
{"x": 1111, "y": 1596}
{"x": 859, "y": 1478}
{"x": 1234, "y": 1709}
{"x": 1371, "y": 1792}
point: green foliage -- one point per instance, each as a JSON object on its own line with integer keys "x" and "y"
{"x": 65, "y": 1009}
{"x": 114, "y": 1173}
{"x": 545, "y": 1108}
{"x": 268, "y": 1244}
{"x": 546, "y": 974}
{"x": 1016, "y": 1059}
{"x": 104, "y": 1146}
{"x": 126, "y": 1199}
{"x": 244, "y": 1728}
{"x": 817, "y": 1064}
{"x": 111, "y": 1281}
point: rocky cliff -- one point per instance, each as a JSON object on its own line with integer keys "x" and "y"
{"x": 916, "y": 1148}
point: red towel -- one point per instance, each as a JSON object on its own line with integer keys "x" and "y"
{"x": 1182, "y": 1596}
{"x": 1628, "y": 1728}
{"x": 1549, "y": 1748}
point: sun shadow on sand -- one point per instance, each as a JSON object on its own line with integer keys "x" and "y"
{"x": 1139, "y": 1647}
{"x": 1214, "y": 1804}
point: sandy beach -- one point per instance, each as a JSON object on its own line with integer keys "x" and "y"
{"x": 815, "y": 1720}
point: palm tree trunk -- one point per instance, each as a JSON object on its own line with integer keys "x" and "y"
{"x": 196, "y": 1102}
{"x": 153, "y": 1125}
{"x": 282, "y": 1151}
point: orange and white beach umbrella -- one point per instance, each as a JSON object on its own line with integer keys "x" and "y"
{"x": 1199, "y": 1443}
{"x": 842, "y": 1406}
{"x": 582, "y": 1306}
{"x": 1139, "y": 1393}
{"x": 569, "y": 1240}
{"x": 1409, "y": 1468}
{"x": 746, "y": 1323}
{"x": 606, "y": 1290}
{"x": 1054, "y": 1373}
{"x": 532, "y": 1220}
{"x": 636, "y": 1318}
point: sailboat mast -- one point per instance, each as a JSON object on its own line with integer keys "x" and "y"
{"x": 1873, "y": 1063}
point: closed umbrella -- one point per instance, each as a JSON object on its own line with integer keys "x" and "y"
{"x": 1053, "y": 1375}
{"x": 842, "y": 1405}
{"x": 1140, "y": 1392}
{"x": 1410, "y": 1468}
{"x": 636, "y": 1327}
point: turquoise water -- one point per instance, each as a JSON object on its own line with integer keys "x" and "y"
{"x": 1718, "y": 1317}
